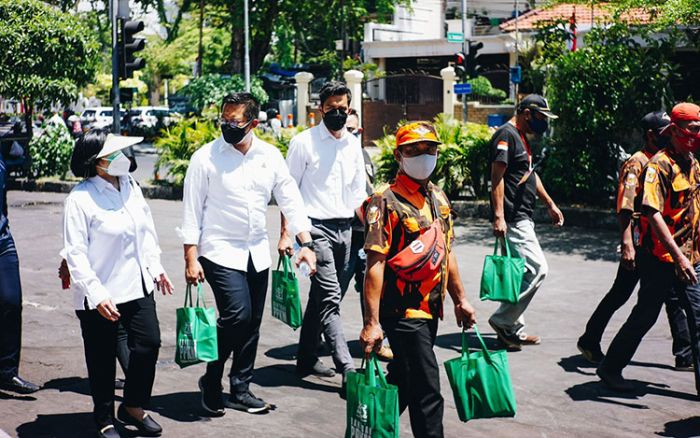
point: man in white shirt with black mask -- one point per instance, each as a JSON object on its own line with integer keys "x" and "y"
{"x": 227, "y": 189}
{"x": 326, "y": 162}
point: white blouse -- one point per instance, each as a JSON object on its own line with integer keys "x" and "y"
{"x": 110, "y": 242}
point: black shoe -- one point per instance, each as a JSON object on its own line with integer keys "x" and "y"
{"x": 119, "y": 383}
{"x": 19, "y": 385}
{"x": 108, "y": 431}
{"x": 247, "y": 402}
{"x": 319, "y": 369}
{"x": 212, "y": 401}
{"x": 592, "y": 353}
{"x": 614, "y": 381}
{"x": 684, "y": 365}
{"x": 147, "y": 426}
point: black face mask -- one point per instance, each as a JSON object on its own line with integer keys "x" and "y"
{"x": 233, "y": 134}
{"x": 335, "y": 119}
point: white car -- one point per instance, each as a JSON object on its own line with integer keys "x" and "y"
{"x": 148, "y": 116}
{"x": 98, "y": 117}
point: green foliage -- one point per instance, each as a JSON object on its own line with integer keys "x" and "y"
{"x": 46, "y": 54}
{"x": 210, "y": 89}
{"x": 177, "y": 144}
{"x": 462, "y": 157}
{"x": 51, "y": 151}
{"x": 600, "y": 92}
{"x": 481, "y": 86}
{"x": 282, "y": 140}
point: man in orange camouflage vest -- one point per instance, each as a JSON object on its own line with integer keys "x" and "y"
{"x": 628, "y": 212}
{"x": 669, "y": 260}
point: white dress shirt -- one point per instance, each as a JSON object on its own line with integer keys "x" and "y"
{"x": 110, "y": 242}
{"x": 330, "y": 172}
{"x": 225, "y": 198}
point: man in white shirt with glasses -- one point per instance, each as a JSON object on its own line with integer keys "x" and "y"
{"x": 227, "y": 189}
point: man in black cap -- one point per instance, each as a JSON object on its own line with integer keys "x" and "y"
{"x": 628, "y": 213}
{"x": 514, "y": 188}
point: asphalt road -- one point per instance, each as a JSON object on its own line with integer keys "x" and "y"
{"x": 557, "y": 392}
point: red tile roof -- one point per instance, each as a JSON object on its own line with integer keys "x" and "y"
{"x": 540, "y": 17}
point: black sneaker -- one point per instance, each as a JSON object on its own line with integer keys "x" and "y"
{"x": 212, "y": 401}
{"x": 684, "y": 364}
{"x": 614, "y": 381}
{"x": 108, "y": 432}
{"x": 592, "y": 353}
{"x": 247, "y": 402}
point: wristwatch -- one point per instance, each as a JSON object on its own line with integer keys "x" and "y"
{"x": 309, "y": 244}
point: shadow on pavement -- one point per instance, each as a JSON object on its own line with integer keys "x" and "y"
{"x": 685, "y": 428}
{"x": 78, "y": 385}
{"x": 596, "y": 391}
{"x": 285, "y": 375}
{"x": 288, "y": 352}
{"x": 179, "y": 406}
{"x": 575, "y": 363}
{"x": 591, "y": 244}
{"x": 75, "y": 425}
{"x": 13, "y": 396}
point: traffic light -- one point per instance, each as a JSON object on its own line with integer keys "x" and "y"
{"x": 460, "y": 65}
{"x": 128, "y": 48}
{"x": 472, "y": 61}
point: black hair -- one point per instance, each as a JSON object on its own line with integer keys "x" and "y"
{"x": 252, "y": 107}
{"x": 84, "y": 158}
{"x": 334, "y": 88}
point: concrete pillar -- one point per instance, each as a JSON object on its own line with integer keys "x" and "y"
{"x": 353, "y": 79}
{"x": 448, "y": 93}
{"x": 303, "y": 78}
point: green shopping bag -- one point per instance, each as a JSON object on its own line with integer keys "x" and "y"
{"x": 481, "y": 383}
{"x": 286, "y": 305}
{"x": 196, "y": 339}
{"x": 502, "y": 275}
{"x": 372, "y": 404}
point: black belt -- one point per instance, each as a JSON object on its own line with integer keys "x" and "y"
{"x": 339, "y": 222}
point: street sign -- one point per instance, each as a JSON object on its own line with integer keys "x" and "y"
{"x": 516, "y": 74}
{"x": 455, "y": 37}
{"x": 463, "y": 88}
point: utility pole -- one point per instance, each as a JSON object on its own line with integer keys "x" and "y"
{"x": 113, "y": 13}
{"x": 200, "y": 49}
{"x": 246, "y": 56}
{"x": 517, "y": 48}
{"x": 465, "y": 109}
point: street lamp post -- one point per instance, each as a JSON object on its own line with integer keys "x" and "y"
{"x": 465, "y": 109}
{"x": 246, "y": 56}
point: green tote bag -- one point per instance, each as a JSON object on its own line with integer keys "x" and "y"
{"x": 502, "y": 275}
{"x": 481, "y": 383}
{"x": 196, "y": 339}
{"x": 372, "y": 404}
{"x": 286, "y": 304}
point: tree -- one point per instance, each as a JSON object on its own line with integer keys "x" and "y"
{"x": 46, "y": 54}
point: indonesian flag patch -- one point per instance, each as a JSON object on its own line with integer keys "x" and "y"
{"x": 502, "y": 145}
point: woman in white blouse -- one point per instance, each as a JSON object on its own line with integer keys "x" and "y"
{"x": 113, "y": 257}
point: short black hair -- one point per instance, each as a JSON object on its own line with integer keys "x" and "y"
{"x": 84, "y": 158}
{"x": 334, "y": 88}
{"x": 252, "y": 107}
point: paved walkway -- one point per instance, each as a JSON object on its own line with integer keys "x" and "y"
{"x": 557, "y": 392}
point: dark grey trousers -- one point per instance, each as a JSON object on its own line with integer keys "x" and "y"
{"x": 332, "y": 241}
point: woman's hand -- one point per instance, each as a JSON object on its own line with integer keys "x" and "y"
{"x": 163, "y": 284}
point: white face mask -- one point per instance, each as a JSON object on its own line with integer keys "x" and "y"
{"x": 118, "y": 166}
{"x": 419, "y": 167}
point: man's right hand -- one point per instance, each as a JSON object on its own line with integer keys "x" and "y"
{"x": 499, "y": 227}
{"x": 627, "y": 257}
{"x": 194, "y": 273}
{"x": 285, "y": 246}
{"x": 685, "y": 270}
{"x": 371, "y": 338}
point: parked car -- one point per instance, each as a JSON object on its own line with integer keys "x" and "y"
{"x": 98, "y": 117}
{"x": 149, "y": 120}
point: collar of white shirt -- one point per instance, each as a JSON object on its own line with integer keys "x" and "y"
{"x": 227, "y": 147}
{"x": 325, "y": 133}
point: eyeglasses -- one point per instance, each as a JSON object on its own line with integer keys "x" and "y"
{"x": 234, "y": 123}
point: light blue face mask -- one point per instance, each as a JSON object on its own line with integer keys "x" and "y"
{"x": 419, "y": 167}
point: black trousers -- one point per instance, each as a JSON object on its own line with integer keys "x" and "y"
{"x": 415, "y": 371}
{"x": 240, "y": 300}
{"x": 10, "y": 309}
{"x": 140, "y": 321}
{"x": 358, "y": 265}
{"x": 621, "y": 291}
{"x": 658, "y": 282}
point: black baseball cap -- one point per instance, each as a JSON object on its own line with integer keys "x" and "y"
{"x": 537, "y": 103}
{"x": 655, "y": 120}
